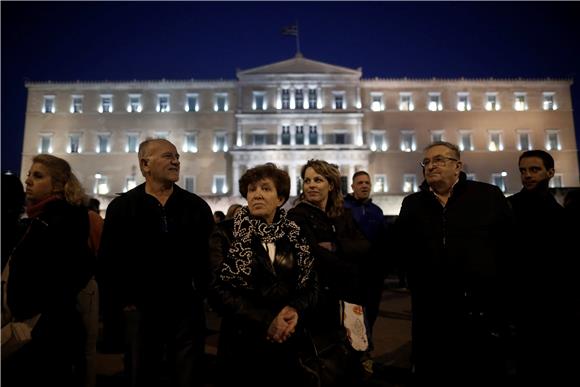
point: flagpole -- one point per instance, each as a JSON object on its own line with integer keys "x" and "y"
{"x": 297, "y": 39}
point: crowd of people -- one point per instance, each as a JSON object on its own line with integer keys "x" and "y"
{"x": 298, "y": 291}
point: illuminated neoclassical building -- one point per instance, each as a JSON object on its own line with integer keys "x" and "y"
{"x": 294, "y": 110}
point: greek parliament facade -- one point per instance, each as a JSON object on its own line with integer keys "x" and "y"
{"x": 294, "y": 110}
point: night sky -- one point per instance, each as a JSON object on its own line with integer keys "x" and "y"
{"x": 150, "y": 41}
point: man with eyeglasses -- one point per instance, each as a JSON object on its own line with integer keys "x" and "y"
{"x": 544, "y": 277}
{"x": 454, "y": 235}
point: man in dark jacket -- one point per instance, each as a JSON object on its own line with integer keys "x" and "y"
{"x": 371, "y": 221}
{"x": 544, "y": 277}
{"x": 155, "y": 258}
{"x": 454, "y": 234}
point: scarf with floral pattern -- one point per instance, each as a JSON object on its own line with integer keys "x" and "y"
{"x": 237, "y": 266}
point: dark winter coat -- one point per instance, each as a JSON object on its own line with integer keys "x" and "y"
{"x": 456, "y": 256}
{"x": 339, "y": 272}
{"x": 244, "y": 354}
{"x": 153, "y": 255}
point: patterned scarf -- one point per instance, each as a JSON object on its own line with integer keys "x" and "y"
{"x": 237, "y": 266}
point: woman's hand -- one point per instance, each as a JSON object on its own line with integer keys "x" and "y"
{"x": 283, "y": 325}
{"x": 327, "y": 245}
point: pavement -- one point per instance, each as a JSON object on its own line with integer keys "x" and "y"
{"x": 391, "y": 354}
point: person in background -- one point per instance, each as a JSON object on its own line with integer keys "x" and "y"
{"x": 48, "y": 267}
{"x": 371, "y": 221}
{"x": 456, "y": 236}
{"x": 154, "y": 254}
{"x": 88, "y": 300}
{"x": 339, "y": 249}
{"x": 544, "y": 277}
{"x": 232, "y": 210}
{"x": 264, "y": 286}
{"x": 219, "y": 216}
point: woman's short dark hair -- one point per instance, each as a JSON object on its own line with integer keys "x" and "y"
{"x": 279, "y": 176}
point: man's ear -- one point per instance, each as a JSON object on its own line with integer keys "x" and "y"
{"x": 551, "y": 172}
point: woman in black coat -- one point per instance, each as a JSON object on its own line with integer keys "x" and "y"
{"x": 338, "y": 246}
{"x": 263, "y": 287}
{"x": 48, "y": 268}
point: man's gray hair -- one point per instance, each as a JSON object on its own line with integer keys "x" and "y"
{"x": 454, "y": 148}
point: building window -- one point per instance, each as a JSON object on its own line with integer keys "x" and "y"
{"x": 524, "y": 142}
{"x": 106, "y": 103}
{"x": 339, "y": 102}
{"x": 220, "y": 143}
{"x": 312, "y": 99}
{"x": 219, "y": 185}
{"x": 463, "y": 102}
{"x": 553, "y": 140}
{"x": 101, "y": 185}
{"x": 259, "y": 100}
{"x": 285, "y": 135}
{"x": 380, "y": 184}
{"x": 130, "y": 183}
{"x": 556, "y": 181}
{"x": 76, "y": 105}
{"x": 406, "y": 102}
{"x": 299, "y": 135}
{"x": 134, "y": 105}
{"x": 285, "y": 99}
{"x": 408, "y": 142}
{"x": 548, "y": 101}
{"x": 48, "y": 104}
{"x": 409, "y": 183}
{"x": 339, "y": 137}
{"x": 499, "y": 179}
{"x": 45, "y": 143}
{"x": 378, "y": 141}
{"x": 312, "y": 134}
{"x": 190, "y": 143}
{"x": 103, "y": 143}
{"x": 192, "y": 102}
{"x": 377, "y": 102}
{"x": 491, "y": 102}
{"x": 465, "y": 141}
{"x": 470, "y": 176}
{"x": 163, "y": 103}
{"x": 132, "y": 145}
{"x": 189, "y": 183}
{"x": 434, "y": 103}
{"x": 520, "y": 101}
{"x": 259, "y": 138}
{"x": 74, "y": 143}
{"x": 220, "y": 102}
{"x": 161, "y": 134}
{"x": 299, "y": 98}
{"x": 495, "y": 141}
{"x": 437, "y": 135}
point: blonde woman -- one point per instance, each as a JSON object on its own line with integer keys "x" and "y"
{"x": 48, "y": 267}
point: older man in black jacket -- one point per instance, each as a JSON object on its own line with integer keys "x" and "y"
{"x": 155, "y": 262}
{"x": 453, "y": 235}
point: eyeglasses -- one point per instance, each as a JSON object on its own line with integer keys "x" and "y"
{"x": 437, "y": 161}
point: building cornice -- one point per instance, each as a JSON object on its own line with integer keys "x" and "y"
{"x": 135, "y": 84}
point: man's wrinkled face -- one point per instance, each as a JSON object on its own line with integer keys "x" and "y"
{"x": 442, "y": 166}
{"x": 162, "y": 162}
{"x": 534, "y": 174}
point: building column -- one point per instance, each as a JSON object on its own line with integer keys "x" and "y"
{"x": 293, "y": 174}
